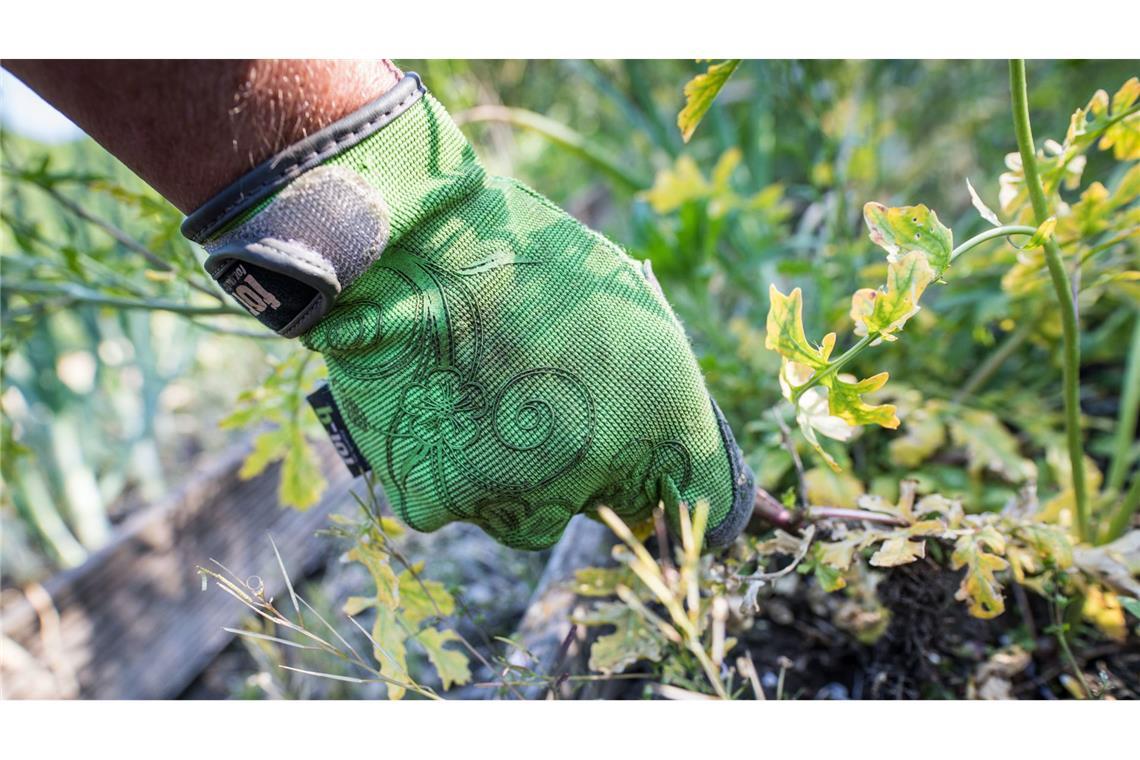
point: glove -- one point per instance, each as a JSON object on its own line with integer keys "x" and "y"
{"x": 490, "y": 358}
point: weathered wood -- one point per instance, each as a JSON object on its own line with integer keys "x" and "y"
{"x": 132, "y": 621}
{"x": 554, "y": 643}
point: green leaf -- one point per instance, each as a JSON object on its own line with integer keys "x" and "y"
{"x": 633, "y": 639}
{"x": 700, "y": 93}
{"x": 451, "y": 665}
{"x": 885, "y": 312}
{"x": 845, "y": 400}
{"x": 910, "y": 228}
{"x": 785, "y": 331}
{"x": 978, "y": 551}
{"x": 1131, "y": 605}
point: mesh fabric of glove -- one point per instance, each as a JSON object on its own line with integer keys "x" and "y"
{"x": 494, "y": 360}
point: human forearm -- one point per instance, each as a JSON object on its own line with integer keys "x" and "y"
{"x": 189, "y": 128}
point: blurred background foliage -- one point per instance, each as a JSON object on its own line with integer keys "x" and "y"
{"x": 120, "y": 357}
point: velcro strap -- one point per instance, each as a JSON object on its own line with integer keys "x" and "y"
{"x": 287, "y": 264}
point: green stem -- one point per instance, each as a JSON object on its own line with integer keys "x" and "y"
{"x": 557, "y": 133}
{"x": 996, "y": 358}
{"x": 1126, "y": 420}
{"x": 834, "y": 366}
{"x": 1123, "y": 517}
{"x": 79, "y": 294}
{"x": 1071, "y": 354}
{"x": 996, "y": 232}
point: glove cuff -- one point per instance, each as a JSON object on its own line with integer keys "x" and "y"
{"x": 288, "y": 237}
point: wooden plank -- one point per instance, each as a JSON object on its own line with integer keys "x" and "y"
{"x": 132, "y": 622}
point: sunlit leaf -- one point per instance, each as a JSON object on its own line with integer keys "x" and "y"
{"x": 785, "y": 329}
{"x": 885, "y": 312}
{"x": 301, "y": 480}
{"x": 700, "y": 93}
{"x": 845, "y": 400}
{"x": 910, "y": 228}
{"x": 1124, "y": 136}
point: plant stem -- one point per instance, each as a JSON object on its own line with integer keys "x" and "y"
{"x": 1126, "y": 420}
{"x": 79, "y": 294}
{"x": 559, "y": 134}
{"x": 1004, "y": 231}
{"x": 1123, "y": 517}
{"x": 834, "y": 366}
{"x": 1071, "y": 351}
{"x": 994, "y": 361}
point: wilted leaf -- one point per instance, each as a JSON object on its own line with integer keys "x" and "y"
{"x": 700, "y": 93}
{"x": 1103, "y": 609}
{"x": 832, "y": 489}
{"x": 450, "y": 664}
{"x": 922, "y": 434}
{"x": 1116, "y": 564}
{"x": 910, "y": 228}
{"x": 898, "y": 550}
{"x": 634, "y": 638}
{"x": 602, "y": 581}
{"x": 978, "y": 551}
{"x": 982, "y": 208}
{"x": 989, "y": 445}
{"x": 390, "y": 652}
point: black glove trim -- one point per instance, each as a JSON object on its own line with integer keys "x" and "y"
{"x": 274, "y": 173}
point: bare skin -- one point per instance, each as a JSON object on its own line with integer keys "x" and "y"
{"x": 189, "y": 128}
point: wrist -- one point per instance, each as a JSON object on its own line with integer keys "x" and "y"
{"x": 289, "y": 236}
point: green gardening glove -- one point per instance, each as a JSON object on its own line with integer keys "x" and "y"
{"x": 489, "y": 358}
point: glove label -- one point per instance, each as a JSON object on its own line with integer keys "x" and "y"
{"x": 329, "y": 414}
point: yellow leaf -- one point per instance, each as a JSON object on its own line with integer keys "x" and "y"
{"x": 978, "y": 551}
{"x": 451, "y": 665}
{"x": 832, "y": 489}
{"x": 898, "y": 550}
{"x": 910, "y": 228}
{"x": 700, "y": 93}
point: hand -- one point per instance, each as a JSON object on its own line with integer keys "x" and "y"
{"x": 492, "y": 359}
